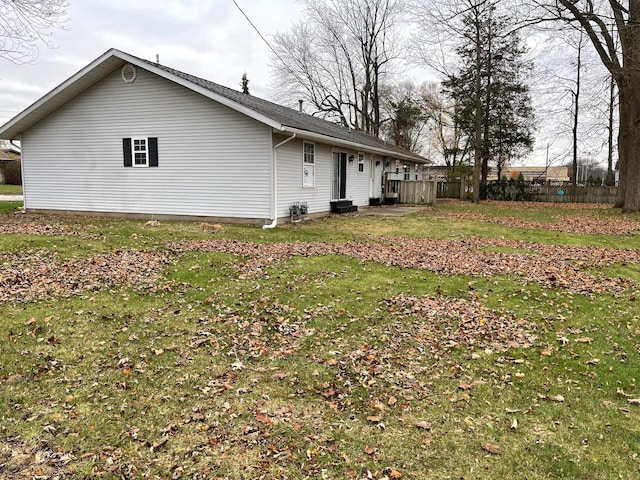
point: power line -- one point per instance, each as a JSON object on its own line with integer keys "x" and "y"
{"x": 266, "y": 41}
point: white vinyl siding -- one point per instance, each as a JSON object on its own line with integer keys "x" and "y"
{"x": 290, "y": 186}
{"x": 291, "y": 189}
{"x": 213, "y": 161}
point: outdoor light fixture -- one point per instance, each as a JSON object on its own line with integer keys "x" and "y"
{"x": 351, "y": 157}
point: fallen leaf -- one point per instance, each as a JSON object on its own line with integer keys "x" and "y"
{"x": 557, "y": 398}
{"x": 423, "y": 425}
{"x": 157, "y": 444}
{"x": 262, "y": 418}
{"x": 329, "y": 393}
{"x": 491, "y": 448}
{"x": 634, "y": 401}
{"x": 584, "y": 340}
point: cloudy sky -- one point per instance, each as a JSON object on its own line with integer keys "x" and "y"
{"x": 207, "y": 38}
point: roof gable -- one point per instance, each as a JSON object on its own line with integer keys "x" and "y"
{"x": 280, "y": 118}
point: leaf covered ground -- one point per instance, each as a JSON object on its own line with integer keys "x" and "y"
{"x": 351, "y": 347}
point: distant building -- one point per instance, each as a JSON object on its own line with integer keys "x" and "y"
{"x": 534, "y": 174}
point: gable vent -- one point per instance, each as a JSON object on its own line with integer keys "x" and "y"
{"x": 128, "y": 73}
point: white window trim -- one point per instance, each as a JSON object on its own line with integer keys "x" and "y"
{"x": 146, "y": 152}
{"x": 361, "y": 157}
{"x": 311, "y": 165}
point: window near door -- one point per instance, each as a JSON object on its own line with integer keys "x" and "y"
{"x": 360, "y": 162}
{"x": 308, "y": 164}
{"x": 140, "y": 151}
{"x": 407, "y": 172}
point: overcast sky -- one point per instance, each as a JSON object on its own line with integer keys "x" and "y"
{"x": 207, "y": 38}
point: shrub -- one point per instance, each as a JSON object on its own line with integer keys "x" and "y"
{"x": 12, "y": 172}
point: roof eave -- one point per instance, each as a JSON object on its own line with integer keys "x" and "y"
{"x": 354, "y": 145}
{"x": 60, "y": 95}
{"x": 93, "y": 73}
{"x": 201, "y": 90}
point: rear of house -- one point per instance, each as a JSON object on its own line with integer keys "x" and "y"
{"x": 128, "y": 137}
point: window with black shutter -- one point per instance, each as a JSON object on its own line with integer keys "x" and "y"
{"x": 140, "y": 151}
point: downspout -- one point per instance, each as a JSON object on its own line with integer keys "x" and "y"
{"x": 24, "y": 190}
{"x": 275, "y": 182}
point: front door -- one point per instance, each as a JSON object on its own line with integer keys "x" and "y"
{"x": 339, "y": 189}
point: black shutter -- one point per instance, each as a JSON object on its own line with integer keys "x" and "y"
{"x": 126, "y": 149}
{"x": 153, "y": 151}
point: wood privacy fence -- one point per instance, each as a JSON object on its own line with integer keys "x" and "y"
{"x": 558, "y": 192}
{"x": 572, "y": 193}
{"x": 451, "y": 187}
{"x": 413, "y": 191}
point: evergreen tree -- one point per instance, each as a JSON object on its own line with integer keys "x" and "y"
{"x": 506, "y": 115}
{"x": 406, "y": 115}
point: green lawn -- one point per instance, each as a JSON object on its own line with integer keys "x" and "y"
{"x": 10, "y": 189}
{"x": 498, "y": 341}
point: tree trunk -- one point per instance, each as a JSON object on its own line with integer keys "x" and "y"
{"x": 576, "y": 114}
{"x": 629, "y": 96}
{"x": 629, "y": 143}
{"x": 477, "y": 161}
{"x": 611, "y": 181}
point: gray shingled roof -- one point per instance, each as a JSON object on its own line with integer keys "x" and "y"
{"x": 278, "y": 116}
{"x": 290, "y": 117}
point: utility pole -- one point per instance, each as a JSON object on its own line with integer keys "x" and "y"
{"x": 546, "y": 165}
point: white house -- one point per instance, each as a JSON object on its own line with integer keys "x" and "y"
{"x": 127, "y": 136}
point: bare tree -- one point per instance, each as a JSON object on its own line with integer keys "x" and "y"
{"x": 486, "y": 76}
{"x": 571, "y": 135}
{"x": 25, "y": 23}
{"x": 611, "y": 108}
{"x": 339, "y": 57}
{"x": 447, "y": 136}
{"x": 576, "y": 106}
{"x": 613, "y": 30}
